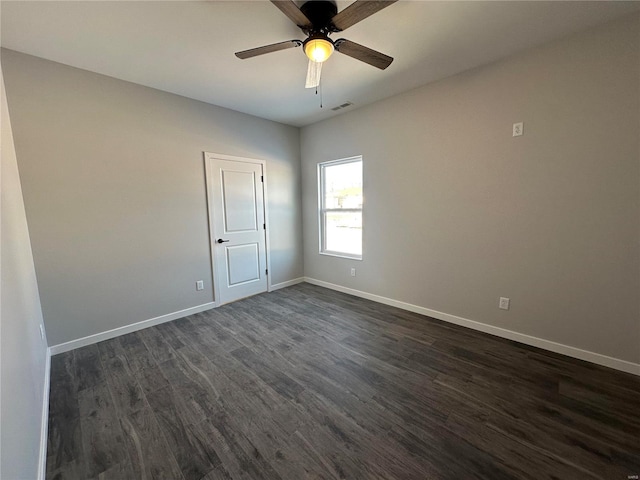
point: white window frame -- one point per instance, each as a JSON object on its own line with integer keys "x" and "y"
{"x": 322, "y": 210}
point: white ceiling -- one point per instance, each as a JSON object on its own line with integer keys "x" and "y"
{"x": 188, "y": 47}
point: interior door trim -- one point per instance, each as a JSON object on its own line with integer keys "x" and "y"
{"x": 208, "y": 159}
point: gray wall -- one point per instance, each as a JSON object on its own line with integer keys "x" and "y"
{"x": 459, "y": 213}
{"x": 23, "y": 353}
{"x": 114, "y": 188}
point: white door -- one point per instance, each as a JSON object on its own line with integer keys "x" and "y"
{"x": 238, "y": 228}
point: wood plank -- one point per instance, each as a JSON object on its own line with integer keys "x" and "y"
{"x": 64, "y": 441}
{"x": 137, "y": 353}
{"x": 194, "y": 456}
{"x": 161, "y": 349}
{"x": 150, "y": 455}
{"x": 101, "y": 432}
{"x": 88, "y": 367}
{"x": 125, "y": 389}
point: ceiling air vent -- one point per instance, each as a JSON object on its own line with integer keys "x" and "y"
{"x": 340, "y": 107}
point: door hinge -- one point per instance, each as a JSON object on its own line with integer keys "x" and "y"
{"x": 266, "y": 271}
{"x": 264, "y": 226}
{"x": 262, "y": 178}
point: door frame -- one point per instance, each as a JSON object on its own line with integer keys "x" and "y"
{"x": 209, "y": 179}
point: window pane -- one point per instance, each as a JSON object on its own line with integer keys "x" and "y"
{"x": 343, "y": 232}
{"x": 343, "y": 185}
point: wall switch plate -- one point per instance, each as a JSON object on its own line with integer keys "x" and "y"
{"x": 518, "y": 129}
{"x": 353, "y": 272}
{"x": 199, "y": 285}
{"x": 504, "y": 303}
{"x": 41, "y": 331}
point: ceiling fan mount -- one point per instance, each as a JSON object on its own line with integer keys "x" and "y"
{"x": 318, "y": 19}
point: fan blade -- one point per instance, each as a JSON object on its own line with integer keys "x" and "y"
{"x": 292, "y": 11}
{"x": 362, "y": 53}
{"x": 358, "y": 11}
{"x": 274, "y": 47}
{"x": 313, "y": 74}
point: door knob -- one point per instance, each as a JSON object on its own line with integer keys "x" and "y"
{"x": 222, "y": 241}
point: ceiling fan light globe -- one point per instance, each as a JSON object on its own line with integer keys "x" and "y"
{"x": 318, "y": 49}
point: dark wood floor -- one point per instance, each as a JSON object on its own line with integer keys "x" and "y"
{"x": 309, "y": 383}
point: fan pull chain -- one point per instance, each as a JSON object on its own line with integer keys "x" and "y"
{"x": 320, "y": 94}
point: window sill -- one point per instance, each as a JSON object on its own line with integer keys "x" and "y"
{"x": 342, "y": 255}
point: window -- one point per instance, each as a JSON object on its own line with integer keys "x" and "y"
{"x": 340, "y": 192}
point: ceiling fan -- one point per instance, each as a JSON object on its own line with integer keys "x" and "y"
{"x": 318, "y": 19}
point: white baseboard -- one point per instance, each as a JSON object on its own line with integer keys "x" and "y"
{"x": 288, "y": 283}
{"x": 44, "y": 427}
{"x": 134, "y": 327}
{"x": 597, "y": 358}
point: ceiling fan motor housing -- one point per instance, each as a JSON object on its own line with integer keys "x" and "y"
{"x": 320, "y": 13}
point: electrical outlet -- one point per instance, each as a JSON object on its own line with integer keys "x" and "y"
{"x": 41, "y": 331}
{"x": 353, "y": 272}
{"x": 504, "y": 303}
{"x": 199, "y": 285}
{"x": 518, "y": 129}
